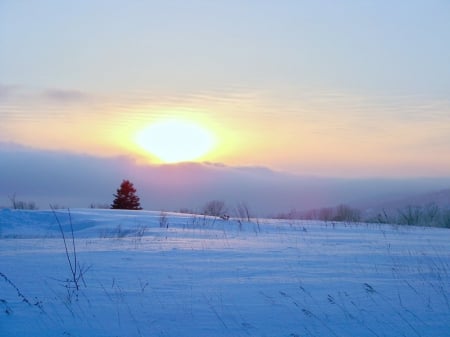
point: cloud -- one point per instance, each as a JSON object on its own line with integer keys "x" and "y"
{"x": 52, "y": 94}
{"x": 76, "y": 180}
{"x": 6, "y": 91}
{"x": 65, "y": 96}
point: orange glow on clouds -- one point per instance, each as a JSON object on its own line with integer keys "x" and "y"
{"x": 239, "y": 133}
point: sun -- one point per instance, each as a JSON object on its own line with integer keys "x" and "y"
{"x": 175, "y": 140}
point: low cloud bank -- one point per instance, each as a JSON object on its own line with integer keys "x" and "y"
{"x": 76, "y": 180}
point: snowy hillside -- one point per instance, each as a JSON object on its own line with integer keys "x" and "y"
{"x": 150, "y": 274}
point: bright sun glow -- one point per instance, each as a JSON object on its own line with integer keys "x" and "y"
{"x": 175, "y": 140}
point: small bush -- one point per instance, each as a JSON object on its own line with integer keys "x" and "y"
{"x": 243, "y": 211}
{"x": 346, "y": 213}
{"x": 20, "y": 204}
{"x": 99, "y": 206}
{"x": 163, "y": 220}
{"x": 214, "y": 208}
{"x": 445, "y": 218}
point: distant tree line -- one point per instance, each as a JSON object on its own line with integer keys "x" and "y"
{"x": 416, "y": 215}
{"x": 339, "y": 213}
{"x": 411, "y": 215}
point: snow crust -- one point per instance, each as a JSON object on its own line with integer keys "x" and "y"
{"x": 153, "y": 274}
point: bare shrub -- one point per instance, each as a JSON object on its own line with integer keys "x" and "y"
{"x": 214, "y": 208}
{"x": 346, "y": 213}
{"x": 140, "y": 231}
{"x": 163, "y": 220}
{"x": 445, "y": 218}
{"x": 243, "y": 211}
{"x": 20, "y": 204}
{"x": 326, "y": 214}
{"x": 119, "y": 232}
{"x": 383, "y": 217}
{"x": 339, "y": 213}
{"x": 99, "y": 206}
{"x": 410, "y": 215}
{"x": 431, "y": 212}
{"x": 292, "y": 214}
{"x": 185, "y": 210}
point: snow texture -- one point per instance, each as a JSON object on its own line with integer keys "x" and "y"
{"x": 153, "y": 274}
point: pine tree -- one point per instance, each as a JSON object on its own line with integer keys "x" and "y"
{"x": 126, "y": 197}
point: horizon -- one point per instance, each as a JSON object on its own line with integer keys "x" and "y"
{"x": 284, "y": 91}
{"x": 72, "y": 180}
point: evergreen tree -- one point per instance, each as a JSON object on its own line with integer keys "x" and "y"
{"x": 126, "y": 197}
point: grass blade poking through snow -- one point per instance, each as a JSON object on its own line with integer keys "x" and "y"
{"x": 77, "y": 272}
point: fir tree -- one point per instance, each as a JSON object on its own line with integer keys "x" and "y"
{"x": 126, "y": 197}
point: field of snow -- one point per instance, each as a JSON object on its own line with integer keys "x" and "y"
{"x": 150, "y": 274}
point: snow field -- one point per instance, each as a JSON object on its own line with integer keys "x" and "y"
{"x": 208, "y": 277}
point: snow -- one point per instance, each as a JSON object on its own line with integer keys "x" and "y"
{"x": 203, "y": 276}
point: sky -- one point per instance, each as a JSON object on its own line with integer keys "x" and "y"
{"x": 342, "y": 89}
